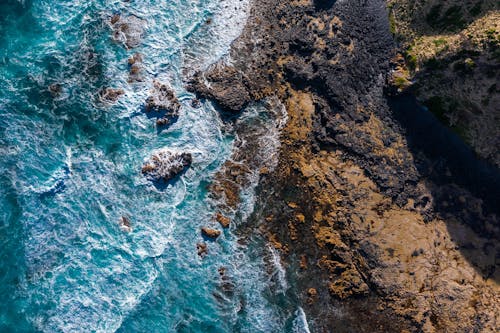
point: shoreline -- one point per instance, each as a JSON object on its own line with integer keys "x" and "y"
{"x": 348, "y": 186}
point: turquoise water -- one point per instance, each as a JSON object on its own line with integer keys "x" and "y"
{"x": 70, "y": 169}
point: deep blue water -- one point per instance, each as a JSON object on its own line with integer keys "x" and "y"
{"x": 70, "y": 169}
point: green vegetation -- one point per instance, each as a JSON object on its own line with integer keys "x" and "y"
{"x": 440, "y": 42}
{"x": 401, "y": 83}
{"x": 411, "y": 59}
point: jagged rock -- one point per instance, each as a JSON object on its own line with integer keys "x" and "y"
{"x": 165, "y": 165}
{"x": 210, "y": 233}
{"x": 223, "y": 220}
{"x": 163, "y": 99}
{"x": 223, "y": 83}
{"x": 127, "y": 30}
{"x": 110, "y": 94}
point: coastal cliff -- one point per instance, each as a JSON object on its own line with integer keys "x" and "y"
{"x": 384, "y": 219}
{"x": 449, "y": 59}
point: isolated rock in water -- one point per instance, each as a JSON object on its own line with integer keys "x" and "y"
{"x": 110, "y": 94}
{"x": 162, "y": 122}
{"x": 202, "y": 249}
{"x": 127, "y": 30}
{"x": 165, "y": 165}
{"x": 135, "y": 68}
{"x": 210, "y": 233}
{"x": 163, "y": 99}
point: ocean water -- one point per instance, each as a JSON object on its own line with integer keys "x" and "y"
{"x": 70, "y": 169}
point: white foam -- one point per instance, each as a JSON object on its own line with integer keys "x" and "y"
{"x": 300, "y": 324}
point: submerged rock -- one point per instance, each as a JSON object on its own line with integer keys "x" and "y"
{"x": 127, "y": 30}
{"x": 210, "y": 233}
{"x": 55, "y": 89}
{"x": 165, "y": 165}
{"x": 163, "y": 99}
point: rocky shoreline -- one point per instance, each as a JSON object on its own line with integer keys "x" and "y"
{"x": 377, "y": 235}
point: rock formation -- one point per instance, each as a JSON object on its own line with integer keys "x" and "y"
{"x": 210, "y": 233}
{"x": 165, "y": 165}
{"x": 388, "y": 235}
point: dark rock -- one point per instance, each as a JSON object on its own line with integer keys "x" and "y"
{"x": 110, "y": 94}
{"x": 195, "y": 103}
{"x": 125, "y": 224}
{"x": 163, "y": 99}
{"x": 166, "y": 165}
{"x": 224, "y": 84}
{"x": 135, "y": 68}
{"x": 55, "y": 89}
{"x": 162, "y": 122}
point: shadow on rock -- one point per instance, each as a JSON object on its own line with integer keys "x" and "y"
{"x": 465, "y": 189}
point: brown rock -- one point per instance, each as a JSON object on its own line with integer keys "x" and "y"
{"x": 210, "y": 233}
{"x": 223, "y": 220}
{"x": 202, "y": 249}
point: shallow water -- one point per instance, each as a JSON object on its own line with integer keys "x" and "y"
{"x": 70, "y": 169}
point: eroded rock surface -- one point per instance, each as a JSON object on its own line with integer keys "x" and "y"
{"x": 390, "y": 238}
{"x": 163, "y": 98}
{"x": 165, "y": 165}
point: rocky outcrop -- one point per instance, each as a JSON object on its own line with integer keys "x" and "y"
{"x": 163, "y": 104}
{"x": 162, "y": 98}
{"x": 202, "y": 249}
{"x": 380, "y": 235}
{"x": 223, "y": 220}
{"x": 223, "y": 83}
{"x": 165, "y": 165}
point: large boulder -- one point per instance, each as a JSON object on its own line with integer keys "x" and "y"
{"x": 165, "y": 165}
{"x": 163, "y": 99}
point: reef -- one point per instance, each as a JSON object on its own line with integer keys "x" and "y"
{"x": 380, "y": 231}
